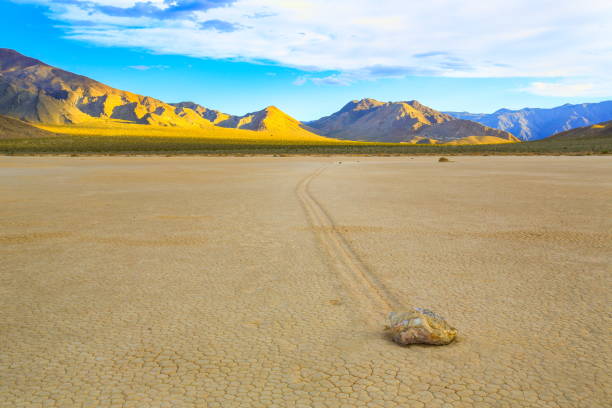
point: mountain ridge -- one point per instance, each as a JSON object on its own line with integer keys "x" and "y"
{"x": 405, "y": 121}
{"x": 538, "y": 123}
{"x": 36, "y": 92}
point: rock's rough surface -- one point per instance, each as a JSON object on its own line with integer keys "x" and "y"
{"x": 420, "y": 326}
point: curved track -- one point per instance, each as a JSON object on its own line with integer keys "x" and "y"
{"x": 359, "y": 281}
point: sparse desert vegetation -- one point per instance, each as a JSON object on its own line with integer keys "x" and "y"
{"x": 160, "y": 144}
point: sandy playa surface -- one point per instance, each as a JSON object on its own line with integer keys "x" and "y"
{"x": 264, "y": 282}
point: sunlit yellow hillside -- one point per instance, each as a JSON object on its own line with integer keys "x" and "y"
{"x": 471, "y": 140}
{"x": 270, "y": 124}
{"x": 468, "y": 140}
{"x": 274, "y": 121}
{"x": 278, "y": 131}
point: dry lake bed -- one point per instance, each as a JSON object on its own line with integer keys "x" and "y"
{"x": 265, "y": 281}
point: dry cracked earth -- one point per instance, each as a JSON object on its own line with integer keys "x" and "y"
{"x": 264, "y": 282}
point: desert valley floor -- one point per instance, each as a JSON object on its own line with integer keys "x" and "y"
{"x": 265, "y": 281}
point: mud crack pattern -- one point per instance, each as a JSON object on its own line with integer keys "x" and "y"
{"x": 187, "y": 282}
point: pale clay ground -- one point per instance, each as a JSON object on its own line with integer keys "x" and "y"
{"x": 263, "y": 282}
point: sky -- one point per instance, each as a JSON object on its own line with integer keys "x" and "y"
{"x": 310, "y": 57}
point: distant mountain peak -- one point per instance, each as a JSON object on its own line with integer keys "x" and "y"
{"x": 369, "y": 101}
{"x": 362, "y": 104}
{"x": 270, "y": 119}
{"x": 273, "y": 109}
{"x": 372, "y": 120}
{"x": 414, "y": 103}
{"x": 503, "y": 110}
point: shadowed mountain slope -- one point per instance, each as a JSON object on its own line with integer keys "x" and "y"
{"x": 597, "y": 131}
{"x": 15, "y": 129}
{"x": 535, "y": 123}
{"x": 372, "y": 120}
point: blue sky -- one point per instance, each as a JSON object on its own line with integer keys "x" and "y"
{"x": 311, "y": 57}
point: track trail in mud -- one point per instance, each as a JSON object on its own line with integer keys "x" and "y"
{"x": 374, "y": 299}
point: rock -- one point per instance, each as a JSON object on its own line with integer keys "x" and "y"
{"x": 420, "y": 326}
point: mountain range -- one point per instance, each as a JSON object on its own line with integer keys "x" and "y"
{"x": 38, "y": 93}
{"x": 49, "y": 97}
{"x": 35, "y": 92}
{"x": 538, "y": 123}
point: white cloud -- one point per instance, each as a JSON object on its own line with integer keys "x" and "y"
{"x": 148, "y": 67}
{"x": 590, "y": 87}
{"x": 360, "y": 39}
{"x": 301, "y": 80}
{"x": 333, "y": 79}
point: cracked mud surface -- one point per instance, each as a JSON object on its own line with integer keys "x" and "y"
{"x": 263, "y": 282}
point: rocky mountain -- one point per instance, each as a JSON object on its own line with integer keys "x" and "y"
{"x": 536, "y": 123}
{"x": 15, "y": 129}
{"x": 35, "y": 92}
{"x": 597, "y": 131}
{"x": 271, "y": 119}
{"x": 410, "y": 121}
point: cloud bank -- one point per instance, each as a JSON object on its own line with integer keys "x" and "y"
{"x": 342, "y": 41}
